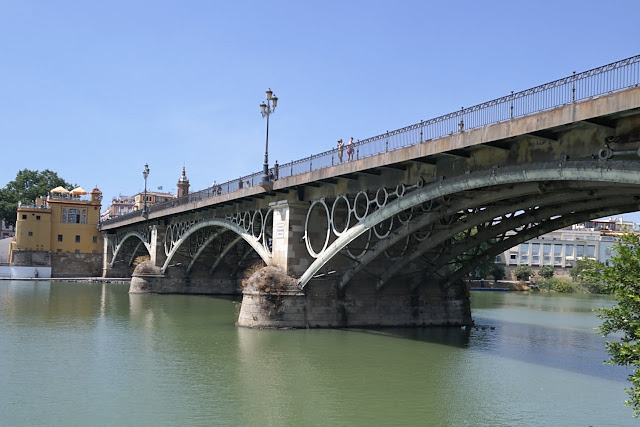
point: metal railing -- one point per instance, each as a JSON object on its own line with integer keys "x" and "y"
{"x": 599, "y": 81}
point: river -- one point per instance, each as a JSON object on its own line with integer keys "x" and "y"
{"x": 91, "y": 354}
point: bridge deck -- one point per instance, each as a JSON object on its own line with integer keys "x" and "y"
{"x": 596, "y": 111}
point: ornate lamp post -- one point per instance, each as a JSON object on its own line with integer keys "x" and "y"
{"x": 145, "y": 174}
{"x": 266, "y": 109}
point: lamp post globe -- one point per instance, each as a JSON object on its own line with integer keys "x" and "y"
{"x": 267, "y": 108}
{"x": 145, "y": 174}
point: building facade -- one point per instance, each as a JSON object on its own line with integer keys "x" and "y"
{"x": 120, "y": 205}
{"x": 561, "y": 249}
{"x": 60, "y": 231}
{"x": 6, "y": 230}
{"x": 153, "y": 198}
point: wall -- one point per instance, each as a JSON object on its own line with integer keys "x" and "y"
{"x": 76, "y": 265}
{"x": 31, "y": 258}
{"x": 36, "y": 221}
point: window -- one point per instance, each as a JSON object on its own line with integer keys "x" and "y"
{"x": 546, "y": 249}
{"x": 524, "y": 259}
{"x": 37, "y": 217}
{"x": 59, "y": 237}
{"x": 77, "y": 251}
{"x": 557, "y": 250}
{"x": 58, "y": 250}
{"x": 535, "y": 259}
{"x": 24, "y": 217}
{"x": 95, "y": 239}
{"x": 513, "y": 257}
{"x": 547, "y": 260}
{"x": 580, "y": 251}
{"x": 591, "y": 251}
{"x": 77, "y": 239}
{"x": 568, "y": 250}
{"x": 535, "y": 248}
{"x": 557, "y": 260}
{"x": 524, "y": 248}
{"x": 74, "y": 216}
{"x": 31, "y": 233}
{"x": 94, "y": 251}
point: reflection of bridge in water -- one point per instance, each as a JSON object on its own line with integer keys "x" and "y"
{"x": 386, "y": 239}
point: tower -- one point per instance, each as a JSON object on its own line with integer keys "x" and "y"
{"x": 183, "y": 184}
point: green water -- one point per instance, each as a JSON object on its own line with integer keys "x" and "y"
{"x": 91, "y": 354}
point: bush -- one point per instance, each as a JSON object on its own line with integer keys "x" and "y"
{"x": 498, "y": 273}
{"x": 546, "y": 272}
{"x": 523, "y": 272}
{"x": 560, "y": 284}
{"x": 586, "y": 274}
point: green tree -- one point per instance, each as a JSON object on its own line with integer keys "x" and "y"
{"x": 586, "y": 274}
{"x": 621, "y": 279}
{"x": 546, "y": 272}
{"x": 523, "y": 272}
{"x": 27, "y": 186}
{"x": 498, "y": 273}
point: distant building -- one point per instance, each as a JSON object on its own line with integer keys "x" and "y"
{"x": 153, "y": 198}
{"x": 120, "y": 205}
{"x": 64, "y": 223}
{"x": 183, "y": 184}
{"x": 6, "y": 230}
{"x": 560, "y": 249}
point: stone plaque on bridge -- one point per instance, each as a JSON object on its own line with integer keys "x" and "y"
{"x": 280, "y": 231}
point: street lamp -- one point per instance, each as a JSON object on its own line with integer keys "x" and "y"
{"x": 145, "y": 174}
{"x": 266, "y": 109}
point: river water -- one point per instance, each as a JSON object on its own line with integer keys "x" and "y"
{"x": 91, "y": 354}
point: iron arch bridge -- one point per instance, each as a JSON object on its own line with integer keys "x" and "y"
{"x": 388, "y": 238}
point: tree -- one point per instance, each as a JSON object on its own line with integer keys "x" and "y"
{"x": 498, "y": 272}
{"x": 585, "y": 273}
{"x": 621, "y": 279}
{"x": 546, "y": 272}
{"x": 523, "y": 272}
{"x": 27, "y": 186}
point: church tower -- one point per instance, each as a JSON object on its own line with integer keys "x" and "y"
{"x": 183, "y": 184}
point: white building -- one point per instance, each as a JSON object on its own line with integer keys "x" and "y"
{"x": 6, "y": 230}
{"x": 562, "y": 248}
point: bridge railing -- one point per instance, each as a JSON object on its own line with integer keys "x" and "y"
{"x": 599, "y": 81}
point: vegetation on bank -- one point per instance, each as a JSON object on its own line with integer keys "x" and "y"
{"x": 545, "y": 280}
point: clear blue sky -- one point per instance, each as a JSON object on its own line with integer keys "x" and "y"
{"x": 94, "y": 90}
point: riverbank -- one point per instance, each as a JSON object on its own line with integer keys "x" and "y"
{"x": 70, "y": 279}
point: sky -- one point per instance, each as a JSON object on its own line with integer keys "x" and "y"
{"x": 94, "y": 90}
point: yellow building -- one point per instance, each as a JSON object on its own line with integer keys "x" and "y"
{"x": 64, "y": 222}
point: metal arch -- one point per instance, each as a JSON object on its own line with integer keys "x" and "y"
{"x": 204, "y": 245}
{"x": 133, "y": 255}
{"x": 124, "y": 239}
{"x": 223, "y": 254}
{"x": 540, "y": 217}
{"x": 255, "y": 244}
{"x": 620, "y": 172}
{"x": 541, "y": 229}
{"x": 430, "y": 217}
{"x": 244, "y": 256}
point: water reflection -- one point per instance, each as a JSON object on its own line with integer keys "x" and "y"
{"x": 100, "y": 355}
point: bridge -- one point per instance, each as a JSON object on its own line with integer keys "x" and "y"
{"x": 387, "y": 238}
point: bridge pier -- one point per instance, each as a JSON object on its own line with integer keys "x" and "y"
{"x": 323, "y": 305}
{"x": 272, "y": 298}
